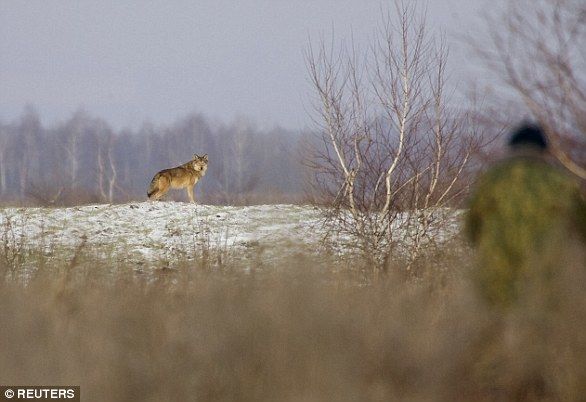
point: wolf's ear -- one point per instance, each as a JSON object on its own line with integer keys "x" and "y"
{"x": 205, "y": 157}
{"x": 195, "y": 157}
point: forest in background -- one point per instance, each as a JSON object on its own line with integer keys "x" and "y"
{"x": 84, "y": 160}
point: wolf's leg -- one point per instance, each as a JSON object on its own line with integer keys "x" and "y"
{"x": 164, "y": 186}
{"x": 190, "y": 194}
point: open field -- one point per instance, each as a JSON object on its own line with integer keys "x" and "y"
{"x": 155, "y": 235}
{"x": 262, "y": 314}
{"x": 146, "y": 236}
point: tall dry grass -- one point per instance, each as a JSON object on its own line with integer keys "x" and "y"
{"x": 311, "y": 331}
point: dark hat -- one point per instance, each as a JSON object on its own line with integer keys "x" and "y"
{"x": 528, "y": 134}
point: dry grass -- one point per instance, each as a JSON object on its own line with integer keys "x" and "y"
{"x": 312, "y": 331}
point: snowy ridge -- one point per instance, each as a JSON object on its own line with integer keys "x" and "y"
{"x": 148, "y": 233}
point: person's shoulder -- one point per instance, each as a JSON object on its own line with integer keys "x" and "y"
{"x": 531, "y": 166}
{"x": 510, "y": 168}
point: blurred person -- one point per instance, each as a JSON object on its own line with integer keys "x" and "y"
{"x": 524, "y": 215}
{"x": 527, "y": 224}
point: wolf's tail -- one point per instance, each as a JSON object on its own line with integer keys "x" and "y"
{"x": 154, "y": 187}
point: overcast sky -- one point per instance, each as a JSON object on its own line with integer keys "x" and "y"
{"x": 135, "y": 61}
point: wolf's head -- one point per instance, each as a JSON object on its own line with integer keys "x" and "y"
{"x": 200, "y": 163}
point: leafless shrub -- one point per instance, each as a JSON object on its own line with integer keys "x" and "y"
{"x": 390, "y": 152}
{"x": 45, "y": 195}
{"x": 12, "y": 252}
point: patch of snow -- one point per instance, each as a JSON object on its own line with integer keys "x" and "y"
{"x": 149, "y": 232}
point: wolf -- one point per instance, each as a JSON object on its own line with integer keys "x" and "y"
{"x": 184, "y": 176}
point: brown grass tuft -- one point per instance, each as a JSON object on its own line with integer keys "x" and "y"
{"x": 302, "y": 333}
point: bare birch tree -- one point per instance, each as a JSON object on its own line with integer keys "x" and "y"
{"x": 538, "y": 49}
{"x": 390, "y": 153}
{"x": 107, "y": 170}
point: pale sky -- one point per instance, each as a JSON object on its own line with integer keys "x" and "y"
{"x": 135, "y": 61}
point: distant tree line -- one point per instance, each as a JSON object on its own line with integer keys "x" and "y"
{"x": 84, "y": 160}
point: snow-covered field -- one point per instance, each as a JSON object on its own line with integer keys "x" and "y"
{"x": 154, "y": 234}
{"x": 147, "y": 232}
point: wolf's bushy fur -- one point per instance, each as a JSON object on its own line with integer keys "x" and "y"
{"x": 184, "y": 176}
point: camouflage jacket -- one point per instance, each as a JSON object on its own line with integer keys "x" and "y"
{"x": 521, "y": 216}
